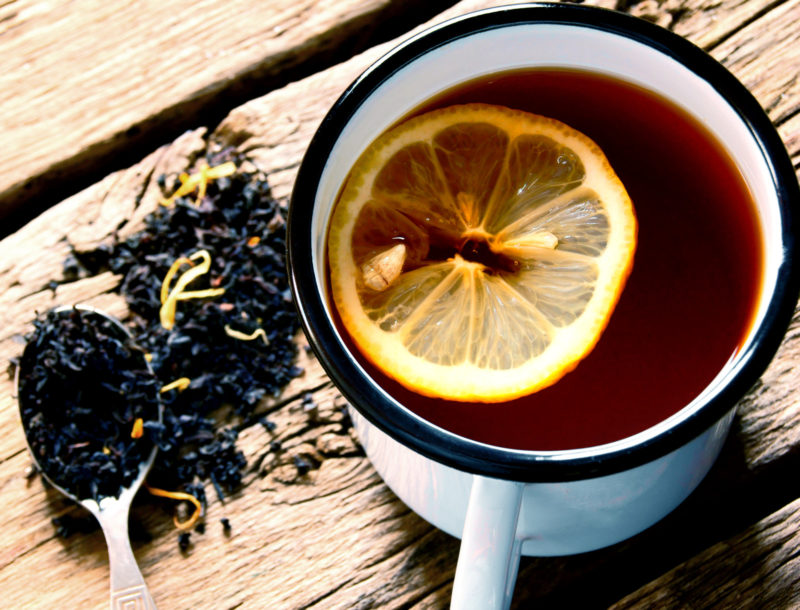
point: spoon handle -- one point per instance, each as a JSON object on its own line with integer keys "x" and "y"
{"x": 128, "y": 589}
{"x": 137, "y": 597}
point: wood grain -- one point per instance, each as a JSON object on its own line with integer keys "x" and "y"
{"x": 74, "y": 96}
{"x": 765, "y": 558}
{"x": 704, "y": 22}
{"x": 768, "y": 64}
{"x": 337, "y": 537}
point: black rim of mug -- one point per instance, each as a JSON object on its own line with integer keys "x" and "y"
{"x": 498, "y": 462}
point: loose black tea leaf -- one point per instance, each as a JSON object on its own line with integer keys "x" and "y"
{"x": 302, "y": 465}
{"x": 233, "y": 348}
{"x": 184, "y": 541}
{"x": 85, "y": 393}
{"x": 268, "y": 425}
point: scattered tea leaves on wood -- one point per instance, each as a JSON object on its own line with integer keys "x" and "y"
{"x": 231, "y": 346}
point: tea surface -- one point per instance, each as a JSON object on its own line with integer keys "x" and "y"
{"x": 689, "y": 300}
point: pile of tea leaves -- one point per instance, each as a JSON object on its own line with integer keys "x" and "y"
{"x": 229, "y": 341}
{"x": 85, "y": 395}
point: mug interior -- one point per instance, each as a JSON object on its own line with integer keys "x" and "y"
{"x": 615, "y": 45}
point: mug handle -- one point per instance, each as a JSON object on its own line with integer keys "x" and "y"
{"x": 489, "y": 557}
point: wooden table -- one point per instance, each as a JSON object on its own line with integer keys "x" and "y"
{"x": 99, "y": 98}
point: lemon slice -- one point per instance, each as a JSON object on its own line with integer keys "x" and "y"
{"x": 476, "y": 253}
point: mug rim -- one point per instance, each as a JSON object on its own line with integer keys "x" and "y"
{"x": 529, "y": 465}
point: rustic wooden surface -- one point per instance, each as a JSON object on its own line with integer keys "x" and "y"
{"x": 337, "y": 537}
{"x": 77, "y": 100}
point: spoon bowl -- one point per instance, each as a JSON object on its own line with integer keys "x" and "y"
{"x": 128, "y": 589}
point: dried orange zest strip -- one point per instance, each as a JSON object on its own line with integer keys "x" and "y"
{"x": 200, "y": 181}
{"x": 182, "y": 260}
{"x": 186, "y": 187}
{"x": 199, "y": 294}
{"x": 179, "y": 293}
{"x": 236, "y": 334}
{"x": 138, "y": 428}
{"x": 179, "y": 495}
{"x": 180, "y": 384}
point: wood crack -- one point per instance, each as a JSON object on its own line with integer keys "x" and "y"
{"x": 743, "y": 25}
{"x": 13, "y": 455}
{"x": 6, "y": 561}
{"x": 431, "y": 591}
{"x": 783, "y": 120}
{"x": 333, "y": 591}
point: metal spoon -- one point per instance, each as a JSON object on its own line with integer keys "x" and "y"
{"x": 128, "y": 589}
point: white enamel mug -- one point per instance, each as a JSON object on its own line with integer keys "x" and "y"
{"x": 501, "y": 502}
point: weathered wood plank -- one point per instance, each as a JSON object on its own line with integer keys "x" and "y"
{"x": 31, "y": 258}
{"x": 336, "y": 538}
{"x": 704, "y": 22}
{"x": 759, "y": 568}
{"x": 72, "y": 95}
{"x": 765, "y": 56}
